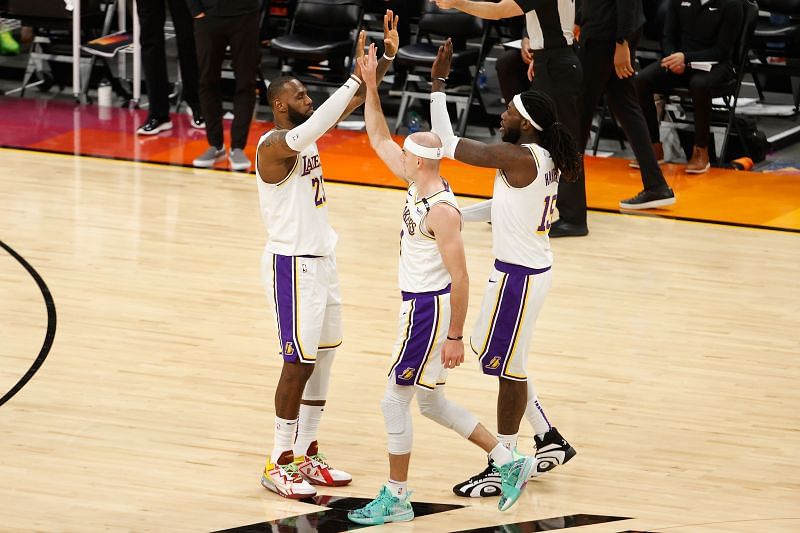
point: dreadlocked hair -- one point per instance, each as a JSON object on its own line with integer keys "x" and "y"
{"x": 554, "y": 138}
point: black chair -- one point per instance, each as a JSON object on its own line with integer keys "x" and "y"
{"x": 321, "y": 31}
{"x": 777, "y": 40}
{"x": 420, "y": 55}
{"x": 729, "y": 92}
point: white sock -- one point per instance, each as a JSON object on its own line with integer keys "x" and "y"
{"x": 500, "y": 455}
{"x": 398, "y": 488}
{"x": 535, "y": 414}
{"x": 307, "y": 426}
{"x": 509, "y": 441}
{"x": 284, "y": 436}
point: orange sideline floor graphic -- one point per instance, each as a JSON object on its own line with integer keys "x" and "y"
{"x": 766, "y": 200}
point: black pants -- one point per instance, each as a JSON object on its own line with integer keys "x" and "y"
{"x": 152, "y": 14}
{"x": 512, "y": 74}
{"x": 214, "y": 34}
{"x": 559, "y": 74}
{"x": 654, "y": 79}
{"x": 597, "y": 58}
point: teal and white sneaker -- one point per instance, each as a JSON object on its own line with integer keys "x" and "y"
{"x": 513, "y": 478}
{"x": 383, "y": 509}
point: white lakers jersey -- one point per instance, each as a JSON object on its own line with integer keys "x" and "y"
{"x": 521, "y": 216}
{"x": 421, "y": 265}
{"x": 295, "y": 211}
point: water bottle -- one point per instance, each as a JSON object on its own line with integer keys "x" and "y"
{"x": 104, "y": 94}
{"x": 482, "y": 79}
{"x": 414, "y": 122}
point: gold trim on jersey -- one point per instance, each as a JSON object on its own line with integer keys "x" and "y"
{"x": 330, "y": 346}
{"x": 275, "y": 297}
{"x": 482, "y": 353}
{"x": 431, "y": 344}
{"x": 517, "y": 327}
{"x": 289, "y": 175}
{"x": 421, "y": 220}
{"x": 296, "y": 308}
{"x": 409, "y": 324}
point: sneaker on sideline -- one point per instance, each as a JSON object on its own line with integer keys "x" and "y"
{"x": 209, "y": 157}
{"x": 238, "y": 160}
{"x": 650, "y": 199}
{"x": 154, "y": 126}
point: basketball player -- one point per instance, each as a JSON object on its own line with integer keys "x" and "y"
{"x": 434, "y": 284}
{"x": 535, "y": 153}
{"x": 299, "y": 270}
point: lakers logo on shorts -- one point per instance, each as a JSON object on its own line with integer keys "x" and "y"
{"x": 408, "y": 373}
{"x": 494, "y": 363}
{"x": 288, "y": 349}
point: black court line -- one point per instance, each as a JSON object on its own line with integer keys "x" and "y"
{"x": 400, "y": 187}
{"x": 548, "y": 524}
{"x": 51, "y": 324}
{"x": 331, "y": 520}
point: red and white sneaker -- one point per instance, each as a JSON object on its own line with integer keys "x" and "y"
{"x": 315, "y": 468}
{"x": 283, "y": 478}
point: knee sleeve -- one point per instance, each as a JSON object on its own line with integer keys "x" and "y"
{"x": 317, "y": 385}
{"x": 396, "y": 407}
{"x": 437, "y": 407}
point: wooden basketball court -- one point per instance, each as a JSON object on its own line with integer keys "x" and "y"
{"x": 667, "y": 353}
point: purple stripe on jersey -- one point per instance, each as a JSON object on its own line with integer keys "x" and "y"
{"x": 284, "y": 301}
{"x": 423, "y": 321}
{"x": 518, "y": 270}
{"x": 497, "y": 352}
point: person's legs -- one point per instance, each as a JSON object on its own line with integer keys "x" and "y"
{"x": 211, "y": 43}
{"x": 559, "y": 74}
{"x": 187, "y": 52}
{"x": 245, "y": 56}
{"x": 154, "y": 65}
{"x": 649, "y": 81}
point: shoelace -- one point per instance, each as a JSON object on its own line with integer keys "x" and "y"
{"x": 509, "y": 468}
{"x": 291, "y": 471}
{"x": 320, "y": 459}
{"x": 383, "y": 501}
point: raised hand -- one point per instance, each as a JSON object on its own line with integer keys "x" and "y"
{"x": 369, "y": 66}
{"x": 362, "y": 40}
{"x": 441, "y": 66}
{"x": 391, "y": 39}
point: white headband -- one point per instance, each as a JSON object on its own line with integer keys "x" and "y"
{"x": 422, "y": 151}
{"x": 522, "y": 111}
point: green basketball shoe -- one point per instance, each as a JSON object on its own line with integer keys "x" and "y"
{"x": 513, "y": 478}
{"x": 383, "y": 509}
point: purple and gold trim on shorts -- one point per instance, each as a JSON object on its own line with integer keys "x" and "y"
{"x": 284, "y": 270}
{"x": 498, "y": 348}
{"x": 422, "y": 328}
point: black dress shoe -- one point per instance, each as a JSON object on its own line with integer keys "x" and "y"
{"x": 560, "y": 228}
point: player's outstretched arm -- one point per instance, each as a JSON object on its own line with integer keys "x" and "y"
{"x": 480, "y": 212}
{"x": 485, "y": 10}
{"x": 378, "y": 131}
{"x": 391, "y": 41}
{"x": 281, "y": 145}
{"x": 444, "y": 222}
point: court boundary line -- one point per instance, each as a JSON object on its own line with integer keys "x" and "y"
{"x": 49, "y": 337}
{"x": 402, "y": 188}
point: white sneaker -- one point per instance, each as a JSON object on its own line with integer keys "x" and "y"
{"x": 286, "y": 481}
{"x": 318, "y": 472}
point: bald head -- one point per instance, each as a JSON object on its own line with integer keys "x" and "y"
{"x": 428, "y": 139}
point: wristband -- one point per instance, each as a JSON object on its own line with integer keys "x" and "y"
{"x": 460, "y": 337}
{"x": 387, "y": 58}
{"x": 443, "y": 80}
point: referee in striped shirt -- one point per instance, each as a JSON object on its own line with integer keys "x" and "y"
{"x": 556, "y": 71}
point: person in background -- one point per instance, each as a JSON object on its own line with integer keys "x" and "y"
{"x": 219, "y": 24}
{"x": 697, "y": 34}
{"x": 152, "y": 15}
